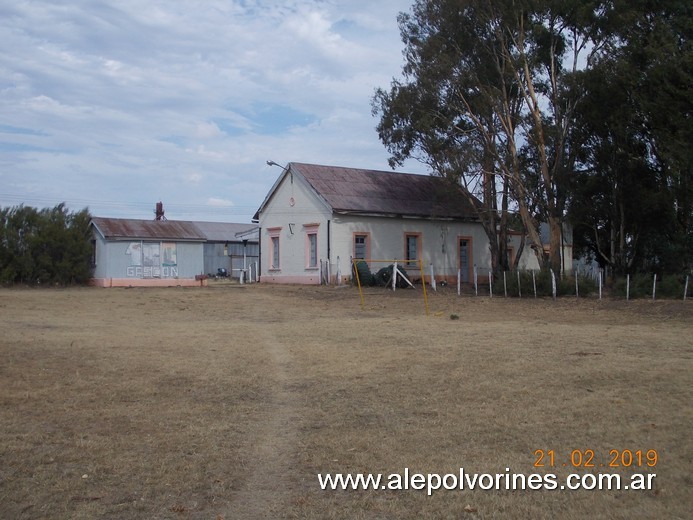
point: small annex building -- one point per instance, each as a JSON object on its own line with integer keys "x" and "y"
{"x": 136, "y": 252}
{"x": 316, "y": 218}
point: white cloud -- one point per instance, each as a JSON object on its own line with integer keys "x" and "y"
{"x": 193, "y": 178}
{"x": 219, "y": 203}
{"x": 208, "y": 130}
{"x": 135, "y": 101}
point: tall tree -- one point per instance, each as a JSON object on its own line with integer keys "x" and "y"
{"x": 486, "y": 95}
{"x": 440, "y": 117}
{"x": 45, "y": 246}
{"x": 633, "y": 205}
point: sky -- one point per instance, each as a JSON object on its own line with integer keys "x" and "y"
{"x": 116, "y": 105}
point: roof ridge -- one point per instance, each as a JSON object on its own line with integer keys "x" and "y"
{"x": 431, "y": 174}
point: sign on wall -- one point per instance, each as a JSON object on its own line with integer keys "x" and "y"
{"x": 152, "y": 260}
{"x": 168, "y": 253}
{"x": 135, "y": 252}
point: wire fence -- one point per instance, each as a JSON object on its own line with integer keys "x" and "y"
{"x": 579, "y": 283}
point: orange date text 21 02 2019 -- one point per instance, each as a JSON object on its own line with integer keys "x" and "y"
{"x": 588, "y": 458}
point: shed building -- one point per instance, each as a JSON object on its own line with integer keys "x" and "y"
{"x": 134, "y": 252}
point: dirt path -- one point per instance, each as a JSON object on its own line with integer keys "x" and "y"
{"x": 271, "y": 459}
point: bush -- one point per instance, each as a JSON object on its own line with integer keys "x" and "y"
{"x": 48, "y": 246}
{"x": 586, "y": 286}
{"x": 671, "y": 286}
{"x": 668, "y": 286}
{"x": 564, "y": 286}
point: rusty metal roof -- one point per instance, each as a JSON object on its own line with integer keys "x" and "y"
{"x": 178, "y": 230}
{"x": 353, "y": 190}
{"x": 226, "y": 231}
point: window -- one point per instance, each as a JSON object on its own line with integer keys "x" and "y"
{"x": 411, "y": 248}
{"x": 361, "y": 246}
{"x": 274, "y": 247}
{"x": 312, "y": 249}
{"x": 275, "y": 252}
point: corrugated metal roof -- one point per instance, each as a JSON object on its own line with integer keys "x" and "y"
{"x": 354, "y": 190}
{"x": 180, "y": 230}
{"x": 125, "y": 228}
{"x": 223, "y": 231}
{"x": 375, "y": 192}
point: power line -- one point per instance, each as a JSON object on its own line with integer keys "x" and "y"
{"x": 181, "y": 207}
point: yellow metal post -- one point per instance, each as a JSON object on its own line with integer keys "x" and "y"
{"x": 423, "y": 283}
{"x": 358, "y": 282}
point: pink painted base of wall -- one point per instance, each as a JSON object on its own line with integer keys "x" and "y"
{"x": 148, "y": 282}
{"x": 302, "y": 280}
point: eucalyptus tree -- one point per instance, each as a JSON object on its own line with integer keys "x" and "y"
{"x": 632, "y": 203}
{"x": 486, "y": 99}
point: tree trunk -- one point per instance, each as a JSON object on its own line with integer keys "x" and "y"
{"x": 520, "y": 250}
{"x": 533, "y": 234}
{"x": 555, "y": 233}
{"x": 503, "y": 229}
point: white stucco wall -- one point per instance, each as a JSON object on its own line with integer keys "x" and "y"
{"x": 439, "y": 243}
{"x": 292, "y": 207}
{"x": 529, "y": 260}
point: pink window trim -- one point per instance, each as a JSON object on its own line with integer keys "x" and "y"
{"x": 419, "y": 242}
{"x": 311, "y": 230}
{"x": 367, "y": 234}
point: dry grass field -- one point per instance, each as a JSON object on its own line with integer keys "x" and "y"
{"x": 226, "y": 402}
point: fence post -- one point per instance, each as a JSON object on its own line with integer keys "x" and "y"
{"x": 394, "y": 276}
{"x": 600, "y": 284}
{"x": 534, "y": 283}
{"x": 505, "y": 286}
{"x": 685, "y": 289}
{"x": 257, "y": 273}
{"x": 476, "y": 282}
{"x": 459, "y": 275}
{"x": 627, "y": 287}
{"x": 654, "y": 286}
{"x": 433, "y": 279}
{"x": 553, "y": 284}
{"x": 339, "y": 273}
{"x": 519, "y": 287}
{"x": 490, "y": 284}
